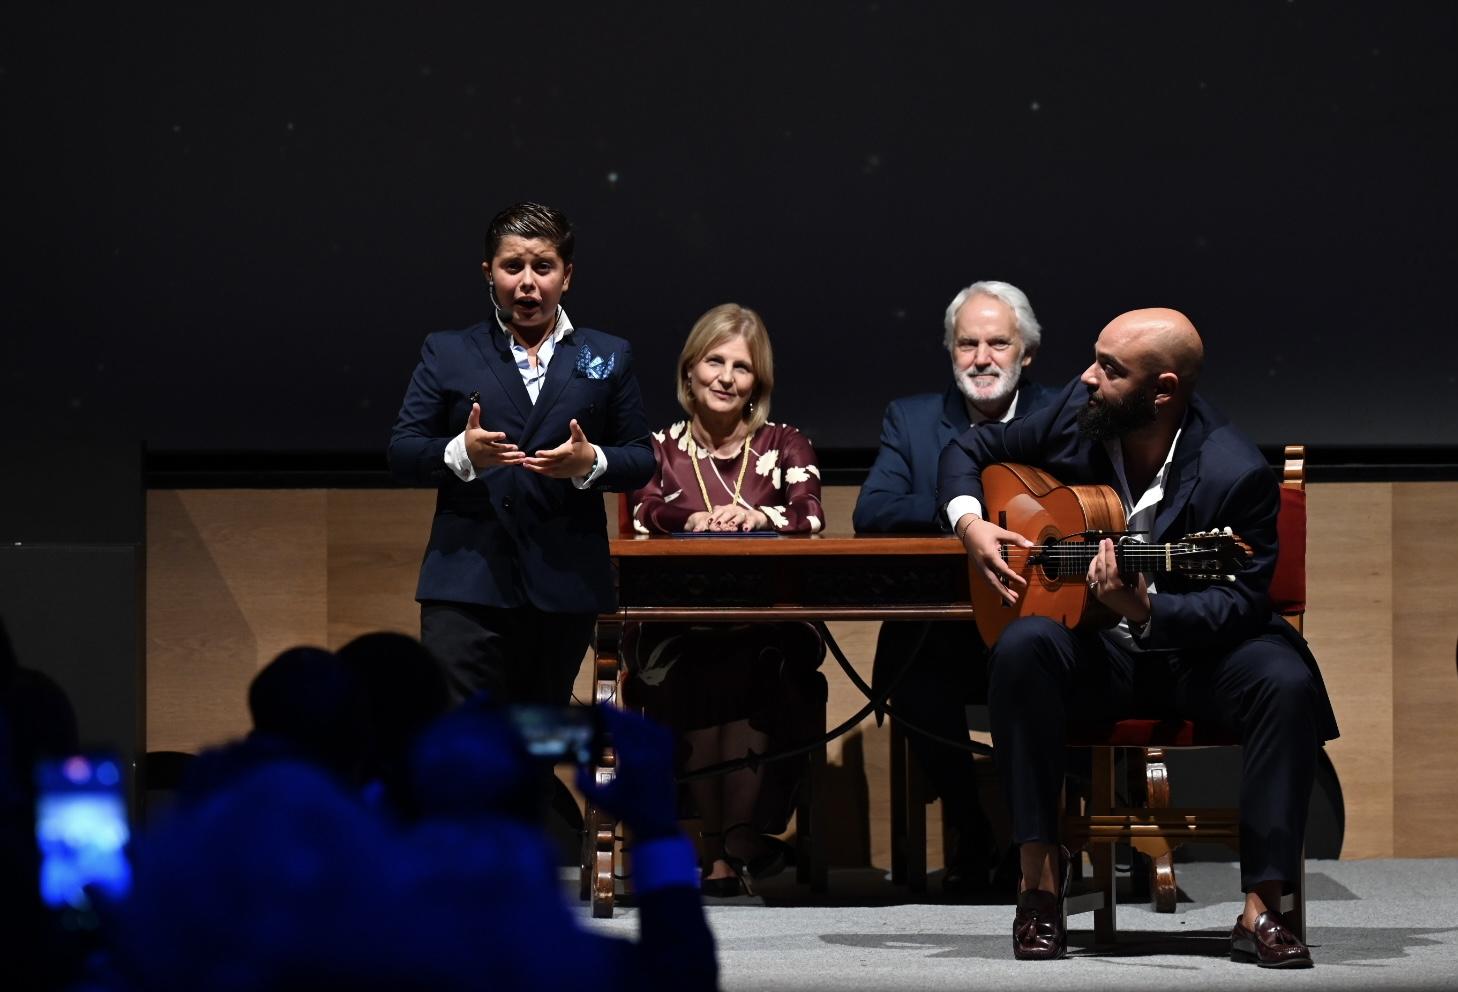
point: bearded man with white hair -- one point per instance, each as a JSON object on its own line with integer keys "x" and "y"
{"x": 992, "y": 336}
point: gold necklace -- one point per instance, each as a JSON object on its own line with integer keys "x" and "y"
{"x": 693, "y": 451}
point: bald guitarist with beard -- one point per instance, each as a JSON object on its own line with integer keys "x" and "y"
{"x": 1133, "y": 422}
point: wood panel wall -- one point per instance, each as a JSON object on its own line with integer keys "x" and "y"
{"x": 236, "y": 576}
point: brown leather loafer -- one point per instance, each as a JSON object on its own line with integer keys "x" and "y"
{"x": 1272, "y": 945}
{"x": 1039, "y": 931}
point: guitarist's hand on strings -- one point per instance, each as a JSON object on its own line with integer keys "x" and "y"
{"x": 983, "y": 541}
{"x": 1108, "y": 586}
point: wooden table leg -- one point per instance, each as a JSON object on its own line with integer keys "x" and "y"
{"x": 898, "y": 754}
{"x": 1101, "y": 801}
{"x": 914, "y": 851}
{"x": 815, "y": 780}
{"x": 599, "y": 863}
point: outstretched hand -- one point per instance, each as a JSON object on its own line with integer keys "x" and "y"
{"x": 488, "y": 448}
{"x": 983, "y": 541}
{"x": 643, "y": 793}
{"x": 572, "y": 459}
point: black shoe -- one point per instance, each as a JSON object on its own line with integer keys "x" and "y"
{"x": 1271, "y": 945}
{"x": 728, "y": 887}
{"x": 1040, "y": 928}
{"x": 774, "y": 854}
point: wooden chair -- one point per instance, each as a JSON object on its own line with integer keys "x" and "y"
{"x": 1155, "y": 828}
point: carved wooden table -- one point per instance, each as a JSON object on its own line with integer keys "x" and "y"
{"x": 770, "y": 578}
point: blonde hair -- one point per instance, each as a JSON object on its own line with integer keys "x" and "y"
{"x": 729, "y": 320}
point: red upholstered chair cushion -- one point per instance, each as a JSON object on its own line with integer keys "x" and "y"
{"x": 1288, "y": 585}
{"x": 1288, "y": 597}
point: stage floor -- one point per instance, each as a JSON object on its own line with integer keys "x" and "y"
{"x": 1387, "y": 924}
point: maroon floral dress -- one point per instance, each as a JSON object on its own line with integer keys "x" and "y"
{"x": 763, "y": 672}
{"x": 781, "y": 480}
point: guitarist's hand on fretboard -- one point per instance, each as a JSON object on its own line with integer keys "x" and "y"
{"x": 983, "y": 541}
{"x": 1109, "y": 587}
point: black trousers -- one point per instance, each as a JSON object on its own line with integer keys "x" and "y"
{"x": 518, "y": 655}
{"x": 1043, "y": 675}
{"x": 948, "y": 671}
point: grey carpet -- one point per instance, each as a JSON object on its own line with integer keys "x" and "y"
{"x": 1373, "y": 924}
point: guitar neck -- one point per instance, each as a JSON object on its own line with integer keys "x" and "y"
{"x": 1072, "y": 560}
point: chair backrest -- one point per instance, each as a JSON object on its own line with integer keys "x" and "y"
{"x": 625, "y": 516}
{"x": 1288, "y": 585}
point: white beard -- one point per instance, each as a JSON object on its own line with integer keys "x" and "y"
{"x": 991, "y": 396}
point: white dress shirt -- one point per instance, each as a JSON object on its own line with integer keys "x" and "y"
{"x": 1139, "y": 516}
{"x": 960, "y": 506}
{"x": 532, "y": 377}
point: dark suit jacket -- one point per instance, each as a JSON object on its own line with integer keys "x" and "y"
{"x": 899, "y": 494}
{"x": 1217, "y": 478}
{"x": 509, "y": 537}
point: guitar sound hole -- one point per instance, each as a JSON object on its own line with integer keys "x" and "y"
{"x": 1051, "y": 567}
{"x": 1061, "y": 561}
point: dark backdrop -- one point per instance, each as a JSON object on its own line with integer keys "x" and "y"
{"x": 229, "y": 227}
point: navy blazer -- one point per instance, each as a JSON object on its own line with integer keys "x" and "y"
{"x": 1217, "y": 478}
{"x": 510, "y": 537}
{"x": 900, "y": 493}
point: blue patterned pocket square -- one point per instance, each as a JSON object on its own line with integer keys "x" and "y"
{"x": 595, "y": 366}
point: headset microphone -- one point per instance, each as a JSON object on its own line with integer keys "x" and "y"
{"x": 504, "y": 314}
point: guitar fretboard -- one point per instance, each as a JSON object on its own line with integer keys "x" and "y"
{"x": 1070, "y": 560}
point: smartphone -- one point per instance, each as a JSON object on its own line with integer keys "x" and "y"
{"x": 82, "y": 831}
{"x": 558, "y": 733}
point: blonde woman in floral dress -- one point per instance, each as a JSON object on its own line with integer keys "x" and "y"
{"x": 729, "y": 689}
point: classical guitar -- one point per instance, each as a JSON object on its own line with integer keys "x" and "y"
{"x": 1067, "y": 523}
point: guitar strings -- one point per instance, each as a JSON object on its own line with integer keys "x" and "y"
{"x": 1065, "y": 557}
{"x": 1092, "y": 553}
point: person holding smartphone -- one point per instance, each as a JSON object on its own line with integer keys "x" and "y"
{"x": 520, "y": 421}
{"x": 727, "y": 469}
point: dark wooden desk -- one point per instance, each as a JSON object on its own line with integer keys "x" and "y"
{"x": 740, "y": 579}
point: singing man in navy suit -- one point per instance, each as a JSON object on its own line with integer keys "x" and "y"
{"x": 521, "y": 422}
{"x": 992, "y": 336}
{"x": 1208, "y": 651}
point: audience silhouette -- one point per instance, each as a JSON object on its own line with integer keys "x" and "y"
{"x": 281, "y": 869}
